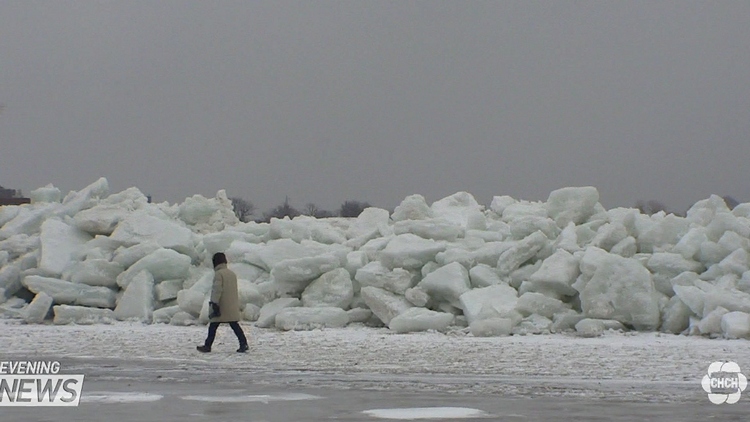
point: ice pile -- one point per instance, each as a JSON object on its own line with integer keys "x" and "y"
{"x": 519, "y": 267}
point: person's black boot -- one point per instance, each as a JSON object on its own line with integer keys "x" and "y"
{"x": 204, "y": 349}
{"x": 243, "y": 348}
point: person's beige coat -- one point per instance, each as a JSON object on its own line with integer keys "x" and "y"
{"x": 224, "y": 292}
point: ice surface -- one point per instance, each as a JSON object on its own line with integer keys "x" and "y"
{"x": 332, "y": 289}
{"x": 420, "y": 319}
{"x": 410, "y": 251}
{"x": 376, "y": 275}
{"x": 294, "y": 275}
{"x": 65, "y": 314}
{"x": 447, "y": 283}
{"x": 311, "y": 318}
{"x": 269, "y": 311}
{"x": 413, "y": 207}
{"x": 384, "y": 304}
{"x": 67, "y": 293}
{"x": 59, "y": 242}
{"x": 137, "y": 303}
{"x": 37, "y": 310}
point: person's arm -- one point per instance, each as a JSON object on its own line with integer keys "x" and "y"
{"x": 217, "y": 289}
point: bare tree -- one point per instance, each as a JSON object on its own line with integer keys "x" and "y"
{"x": 243, "y": 209}
{"x": 281, "y": 211}
{"x": 311, "y": 209}
{"x": 352, "y": 208}
{"x": 651, "y": 207}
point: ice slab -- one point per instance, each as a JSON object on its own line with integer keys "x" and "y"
{"x": 311, "y": 318}
{"x": 332, "y": 289}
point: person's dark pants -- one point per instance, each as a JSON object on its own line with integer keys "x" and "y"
{"x": 212, "y": 327}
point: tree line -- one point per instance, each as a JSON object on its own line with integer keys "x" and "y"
{"x": 245, "y": 210}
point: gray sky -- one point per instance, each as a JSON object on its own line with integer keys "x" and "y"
{"x": 328, "y": 101}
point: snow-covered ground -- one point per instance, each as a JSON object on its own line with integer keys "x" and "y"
{"x": 630, "y": 366}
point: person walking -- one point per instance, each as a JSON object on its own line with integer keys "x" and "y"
{"x": 224, "y": 305}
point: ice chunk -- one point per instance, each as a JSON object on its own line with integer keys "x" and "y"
{"x": 457, "y": 208}
{"x": 557, "y": 274}
{"x": 537, "y": 303}
{"x": 65, "y": 314}
{"x": 28, "y": 220}
{"x": 140, "y": 227}
{"x": 354, "y": 261}
{"x": 524, "y": 226}
{"x": 165, "y": 315}
{"x": 191, "y": 301}
{"x": 626, "y": 248}
{"x": 251, "y": 312}
{"x": 87, "y": 197}
{"x": 490, "y": 302}
{"x": 269, "y": 311}
{"x": 95, "y": 272}
{"x": 420, "y": 319}
{"x": 676, "y": 316}
{"x": 711, "y": 323}
{"x": 311, "y": 318}
{"x": 183, "y": 319}
{"x": 664, "y": 233}
{"x": 38, "y": 309}
{"x": 590, "y": 327}
{"x": 385, "y": 305}
{"x": 499, "y": 203}
{"x": 208, "y": 214}
{"x": 360, "y": 315}
{"x": 376, "y": 275}
{"x": 483, "y": 276}
{"x": 101, "y": 219}
{"x": 296, "y": 230}
{"x": 59, "y": 242}
{"x": 294, "y": 275}
{"x": 274, "y": 252}
{"x": 620, "y": 289}
{"x": 48, "y": 193}
{"x": 447, "y": 283}
{"x": 520, "y": 252}
{"x": 163, "y": 264}
{"x": 332, "y": 289}
{"x": 702, "y": 212}
{"x": 523, "y": 209}
{"x": 572, "y": 204}
{"x": 565, "y": 321}
{"x": 129, "y": 256}
{"x": 10, "y": 279}
{"x": 609, "y": 235}
{"x": 690, "y": 244}
{"x": 137, "y": 303}
{"x": 724, "y": 222}
{"x": 247, "y": 272}
{"x": 741, "y": 210}
{"x": 735, "y": 325}
{"x": 434, "y": 228}
{"x": 671, "y": 264}
{"x": 413, "y": 207}
{"x": 222, "y": 241}
{"x": 409, "y": 251}
{"x": 369, "y": 221}
{"x": 67, "y": 293}
{"x": 168, "y": 289}
{"x": 9, "y": 212}
{"x": 417, "y": 297}
{"x": 491, "y": 327}
{"x": 533, "y": 324}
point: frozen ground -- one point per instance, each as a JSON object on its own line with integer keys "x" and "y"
{"x": 643, "y": 367}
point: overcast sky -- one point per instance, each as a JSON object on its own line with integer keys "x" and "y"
{"x": 328, "y": 101}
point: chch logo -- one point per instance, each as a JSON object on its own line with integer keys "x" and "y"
{"x": 724, "y": 383}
